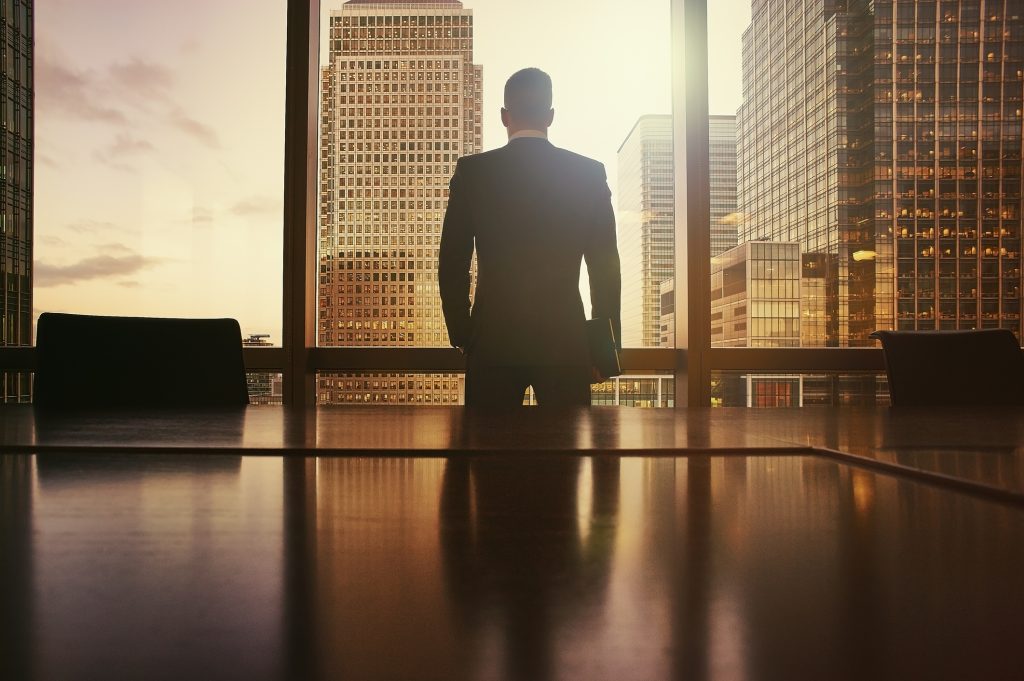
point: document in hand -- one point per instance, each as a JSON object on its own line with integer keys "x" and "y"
{"x": 604, "y": 352}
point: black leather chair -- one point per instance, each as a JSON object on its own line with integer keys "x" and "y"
{"x": 87, "y": 362}
{"x": 953, "y": 368}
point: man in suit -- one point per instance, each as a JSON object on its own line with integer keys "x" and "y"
{"x": 533, "y": 212}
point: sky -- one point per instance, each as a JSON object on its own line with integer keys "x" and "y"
{"x": 159, "y": 135}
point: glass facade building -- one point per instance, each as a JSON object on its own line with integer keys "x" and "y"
{"x": 16, "y": 183}
{"x": 885, "y": 139}
{"x": 755, "y": 303}
{"x": 401, "y": 102}
{"x": 722, "y": 156}
{"x": 646, "y": 226}
{"x": 755, "y": 296}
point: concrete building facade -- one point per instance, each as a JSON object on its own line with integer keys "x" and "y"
{"x": 401, "y": 103}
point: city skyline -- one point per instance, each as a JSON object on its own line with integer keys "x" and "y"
{"x": 158, "y": 168}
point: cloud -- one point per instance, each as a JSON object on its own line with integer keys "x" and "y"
{"x": 50, "y": 240}
{"x": 95, "y": 267}
{"x": 124, "y": 145}
{"x": 190, "y": 126}
{"x": 92, "y": 226}
{"x": 46, "y": 160}
{"x": 114, "y": 248}
{"x": 201, "y": 215}
{"x": 256, "y": 205}
{"x": 190, "y": 45}
{"x": 115, "y": 95}
{"x": 139, "y": 77}
{"x": 72, "y": 92}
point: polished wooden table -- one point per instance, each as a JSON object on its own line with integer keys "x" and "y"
{"x": 435, "y": 543}
{"x": 972, "y": 449}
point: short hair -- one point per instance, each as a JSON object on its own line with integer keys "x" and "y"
{"x": 528, "y": 96}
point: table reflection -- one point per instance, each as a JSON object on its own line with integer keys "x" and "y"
{"x": 501, "y": 567}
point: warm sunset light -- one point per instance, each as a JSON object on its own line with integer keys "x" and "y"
{"x": 160, "y": 136}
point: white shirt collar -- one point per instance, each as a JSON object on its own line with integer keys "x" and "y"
{"x": 542, "y": 134}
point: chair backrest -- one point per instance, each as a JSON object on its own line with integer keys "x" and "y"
{"x": 953, "y": 368}
{"x": 88, "y": 362}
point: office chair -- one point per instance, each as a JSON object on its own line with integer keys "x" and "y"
{"x": 953, "y": 368}
{"x": 88, "y": 362}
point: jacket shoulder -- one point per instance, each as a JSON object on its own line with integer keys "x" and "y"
{"x": 471, "y": 161}
{"x": 582, "y": 164}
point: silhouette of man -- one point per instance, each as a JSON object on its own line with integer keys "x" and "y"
{"x": 533, "y": 212}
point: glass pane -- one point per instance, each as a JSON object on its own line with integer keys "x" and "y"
{"x": 878, "y": 154}
{"x": 761, "y": 389}
{"x": 159, "y": 160}
{"x": 409, "y": 88}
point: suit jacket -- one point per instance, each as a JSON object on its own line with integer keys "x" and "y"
{"x": 533, "y": 212}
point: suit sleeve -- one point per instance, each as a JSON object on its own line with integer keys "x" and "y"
{"x": 454, "y": 259}
{"x": 602, "y": 258}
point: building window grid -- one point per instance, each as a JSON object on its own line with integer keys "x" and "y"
{"x": 986, "y": 223}
{"x": 401, "y": 103}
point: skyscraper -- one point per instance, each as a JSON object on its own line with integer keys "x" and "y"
{"x": 16, "y": 225}
{"x": 722, "y": 153}
{"x": 646, "y": 222}
{"x": 401, "y": 102}
{"x": 885, "y": 138}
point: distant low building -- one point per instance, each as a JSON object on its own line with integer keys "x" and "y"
{"x": 755, "y": 296}
{"x": 755, "y": 303}
{"x": 265, "y": 387}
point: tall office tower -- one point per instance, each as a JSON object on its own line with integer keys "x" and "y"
{"x": 885, "y": 138}
{"x": 724, "y": 218}
{"x": 646, "y": 222}
{"x": 16, "y": 223}
{"x": 401, "y": 103}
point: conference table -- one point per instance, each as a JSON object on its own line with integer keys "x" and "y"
{"x": 444, "y": 543}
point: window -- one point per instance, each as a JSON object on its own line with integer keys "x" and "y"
{"x": 159, "y": 160}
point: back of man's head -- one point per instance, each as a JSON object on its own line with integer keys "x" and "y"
{"x": 528, "y": 97}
